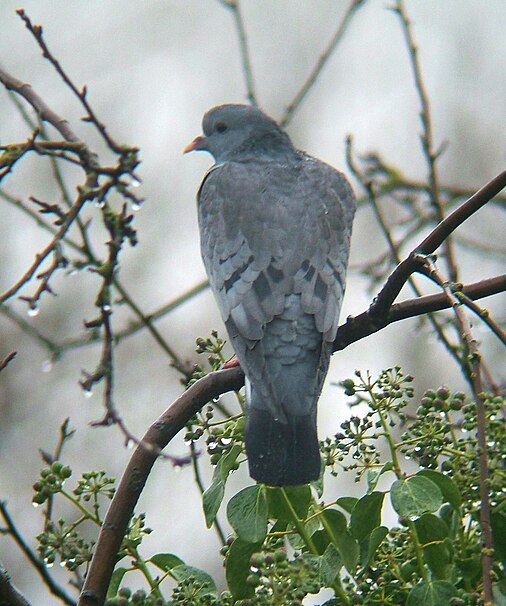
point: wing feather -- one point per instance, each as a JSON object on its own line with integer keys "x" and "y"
{"x": 268, "y": 231}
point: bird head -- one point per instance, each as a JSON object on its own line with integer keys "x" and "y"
{"x": 240, "y": 132}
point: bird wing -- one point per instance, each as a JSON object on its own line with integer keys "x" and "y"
{"x": 270, "y": 231}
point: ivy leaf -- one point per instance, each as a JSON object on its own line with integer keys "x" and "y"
{"x": 447, "y": 486}
{"x": 415, "y": 496}
{"x": 237, "y": 568}
{"x": 166, "y": 561}
{"x": 432, "y": 532}
{"x": 247, "y": 514}
{"x": 498, "y": 522}
{"x": 366, "y": 515}
{"x": 213, "y": 495}
{"x": 370, "y": 544}
{"x": 434, "y": 593}
{"x": 329, "y": 565}
{"x": 201, "y": 578}
{"x": 299, "y": 497}
{"x": 347, "y": 503}
{"x": 337, "y": 531}
{"x": 373, "y": 475}
{"x": 116, "y": 578}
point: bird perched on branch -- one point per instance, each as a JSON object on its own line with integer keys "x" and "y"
{"x": 275, "y": 226}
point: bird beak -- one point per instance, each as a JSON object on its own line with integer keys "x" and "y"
{"x": 199, "y": 143}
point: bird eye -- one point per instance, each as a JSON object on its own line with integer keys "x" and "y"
{"x": 221, "y": 127}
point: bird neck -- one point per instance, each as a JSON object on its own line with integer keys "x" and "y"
{"x": 267, "y": 146}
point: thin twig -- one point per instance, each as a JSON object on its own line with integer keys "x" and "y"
{"x": 7, "y": 360}
{"x": 9, "y": 595}
{"x": 472, "y": 369}
{"x": 398, "y": 277}
{"x": 247, "y": 69}
{"x": 483, "y": 314}
{"x": 358, "y": 327}
{"x": 427, "y": 137}
{"x": 322, "y": 61}
{"x": 36, "y": 31}
{"x": 394, "y": 250}
{"x": 136, "y": 474}
{"x": 38, "y": 565}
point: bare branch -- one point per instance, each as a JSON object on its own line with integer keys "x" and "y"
{"x": 472, "y": 370}
{"x": 137, "y": 472}
{"x": 7, "y": 360}
{"x": 397, "y": 279}
{"x": 234, "y": 6}
{"x": 36, "y": 31}
{"x": 9, "y": 595}
{"x": 361, "y": 326}
{"x": 37, "y": 564}
{"x": 322, "y": 61}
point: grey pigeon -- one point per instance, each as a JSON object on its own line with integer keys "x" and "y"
{"x": 275, "y": 228}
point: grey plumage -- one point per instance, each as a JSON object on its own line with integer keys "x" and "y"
{"x": 275, "y": 228}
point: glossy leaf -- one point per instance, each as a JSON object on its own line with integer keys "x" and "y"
{"x": 447, "y": 486}
{"x": 237, "y": 568}
{"x": 415, "y": 496}
{"x": 114, "y": 585}
{"x": 166, "y": 561}
{"x": 435, "y": 593}
{"x": 366, "y": 515}
{"x": 370, "y": 544}
{"x": 247, "y": 514}
{"x": 329, "y": 565}
{"x": 182, "y": 572}
{"x": 299, "y": 497}
{"x": 337, "y": 531}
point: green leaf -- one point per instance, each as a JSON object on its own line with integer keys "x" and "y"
{"x": 335, "y": 526}
{"x": 470, "y": 568}
{"x": 329, "y": 565}
{"x": 433, "y": 533}
{"x": 247, "y": 514}
{"x": 212, "y": 498}
{"x": 366, "y": 515}
{"x": 182, "y": 572}
{"x": 370, "y": 544}
{"x": 166, "y": 561}
{"x": 213, "y": 495}
{"x": 415, "y": 496}
{"x": 447, "y": 486}
{"x": 237, "y": 568}
{"x": 347, "y": 503}
{"x": 498, "y": 522}
{"x": 430, "y": 528}
{"x": 299, "y": 497}
{"x": 434, "y": 593}
{"x": 116, "y": 578}
{"x": 373, "y": 475}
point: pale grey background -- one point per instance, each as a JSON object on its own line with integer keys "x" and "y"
{"x": 152, "y": 69}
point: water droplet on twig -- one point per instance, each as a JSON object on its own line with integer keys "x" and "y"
{"x": 33, "y": 311}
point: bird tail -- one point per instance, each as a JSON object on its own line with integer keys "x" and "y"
{"x": 281, "y": 453}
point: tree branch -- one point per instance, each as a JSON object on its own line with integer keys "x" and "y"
{"x": 363, "y": 325}
{"x": 38, "y": 565}
{"x": 247, "y": 68}
{"x": 204, "y": 390}
{"x": 322, "y": 61}
{"x": 136, "y": 474}
{"x": 9, "y": 595}
{"x": 380, "y": 307}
